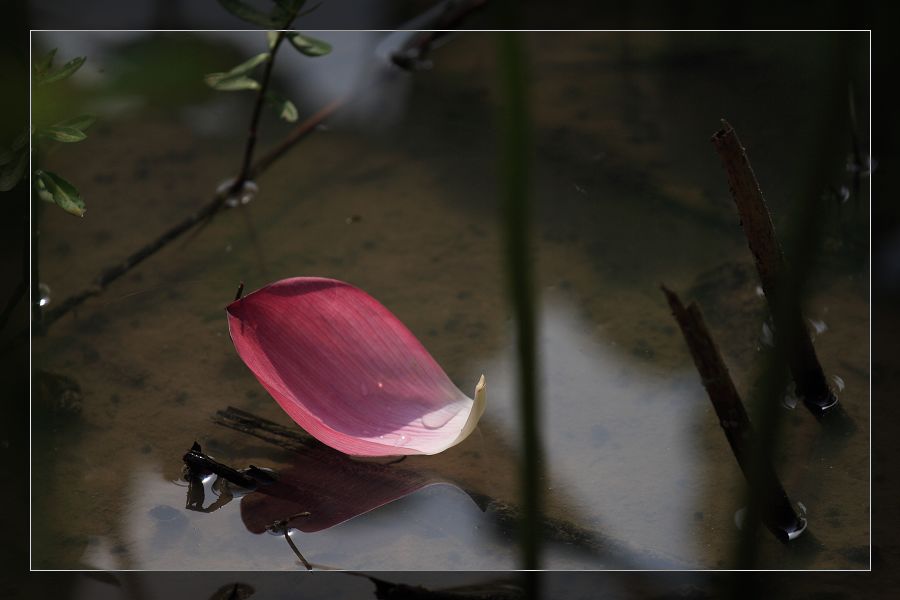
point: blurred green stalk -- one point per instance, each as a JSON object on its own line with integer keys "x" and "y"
{"x": 515, "y": 153}
{"x": 803, "y": 242}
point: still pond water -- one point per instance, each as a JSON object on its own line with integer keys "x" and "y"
{"x": 398, "y": 196}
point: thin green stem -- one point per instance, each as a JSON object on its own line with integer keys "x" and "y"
{"x": 515, "y": 155}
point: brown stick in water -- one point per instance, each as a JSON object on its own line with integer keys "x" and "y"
{"x": 809, "y": 378}
{"x": 775, "y": 507}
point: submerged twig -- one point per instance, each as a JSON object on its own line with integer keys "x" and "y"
{"x": 809, "y": 378}
{"x": 777, "y": 511}
{"x": 287, "y": 537}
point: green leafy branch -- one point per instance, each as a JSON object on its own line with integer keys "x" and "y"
{"x": 282, "y": 16}
{"x": 48, "y": 186}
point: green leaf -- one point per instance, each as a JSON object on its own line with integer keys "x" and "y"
{"x": 286, "y": 109}
{"x": 236, "y": 79}
{"x": 81, "y": 122}
{"x": 62, "y": 134}
{"x": 12, "y": 171}
{"x": 40, "y": 66}
{"x": 233, "y": 84}
{"x": 50, "y": 187}
{"x": 246, "y": 12}
{"x": 309, "y": 46}
{"x": 271, "y": 38}
{"x": 67, "y": 70}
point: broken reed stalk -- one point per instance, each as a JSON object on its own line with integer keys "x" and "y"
{"x": 775, "y": 507}
{"x": 809, "y": 378}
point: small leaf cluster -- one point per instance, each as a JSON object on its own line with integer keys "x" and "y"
{"x": 282, "y": 15}
{"x": 48, "y": 186}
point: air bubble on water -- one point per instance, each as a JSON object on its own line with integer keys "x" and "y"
{"x": 844, "y": 194}
{"x": 242, "y": 196}
{"x": 790, "y": 399}
{"x": 766, "y": 336}
{"x": 865, "y": 169}
{"x": 43, "y": 294}
{"x": 838, "y": 382}
{"x": 818, "y": 326}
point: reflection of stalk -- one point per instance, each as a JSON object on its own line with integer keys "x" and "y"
{"x": 257, "y": 113}
{"x": 515, "y": 150}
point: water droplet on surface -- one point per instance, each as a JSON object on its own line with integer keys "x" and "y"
{"x": 43, "y": 294}
{"x": 790, "y": 399}
{"x": 818, "y": 326}
{"x": 766, "y": 336}
{"x": 802, "y": 508}
{"x": 838, "y": 382}
{"x": 242, "y": 196}
{"x": 844, "y": 193}
{"x": 739, "y": 517}
{"x": 760, "y": 292}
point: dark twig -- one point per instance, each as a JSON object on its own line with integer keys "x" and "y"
{"x": 249, "y": 170}
{"x": 290, "y": 140}
{"x": 776, "y": 509}
{"x": 111, "y": 274}
{"x": 240, "y": 292}
{"x": 244, "y": 173}
{"x": 287, "y": 537}
{"x": 414, "y": 52}
{"x": 809, "y": 378}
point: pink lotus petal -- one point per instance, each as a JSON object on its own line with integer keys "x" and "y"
{"x": 348, "y": 371}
